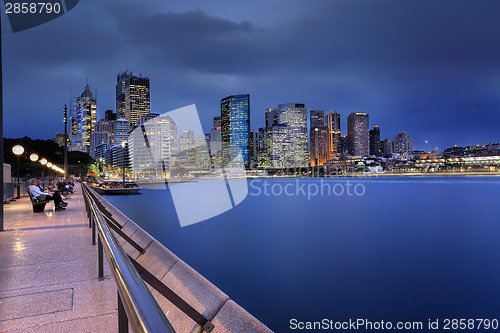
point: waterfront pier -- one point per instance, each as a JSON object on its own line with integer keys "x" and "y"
{"x": 49, "y": 276}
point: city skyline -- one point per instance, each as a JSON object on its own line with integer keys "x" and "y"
{"x": 413, "y": 67}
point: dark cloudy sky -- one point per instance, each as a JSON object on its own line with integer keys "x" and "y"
{"x": 428, "y": 67}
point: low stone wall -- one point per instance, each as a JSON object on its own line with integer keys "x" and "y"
{"x": 196, "y": 290}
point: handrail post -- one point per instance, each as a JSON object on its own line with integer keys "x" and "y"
{"x": 100, "y": 255}
{"x": 93, "y": 229}
{"x": 122, "y": 316}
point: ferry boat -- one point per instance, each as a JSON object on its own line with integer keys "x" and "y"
{"x": 112, "y": 186}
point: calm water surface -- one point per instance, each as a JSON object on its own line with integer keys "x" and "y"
{"x": 409, "y": 249}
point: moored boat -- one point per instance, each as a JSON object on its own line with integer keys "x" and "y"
{"x": 111, "y": 186}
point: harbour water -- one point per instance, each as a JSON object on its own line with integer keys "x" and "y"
{"x": 398, "y": 249}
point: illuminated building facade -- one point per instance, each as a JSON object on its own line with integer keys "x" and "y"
{"x": 120, "y": 131}
{"x": 150, "y": 148}
{"x": 319, "y": 147}
{"x": 294, "y": 116}
{"x": 375, "y": 141}
{"x": 317, "y": 118}
{"x": 358, "y": 134}
{"x": 132, "y": 97}
{"x": 402, "y": 144}
{"x": 387, "y": 147}
{"x": 86, "y": 114}
{"x": 271, "y": 117}
{"x": 332, "y": 122}
{"x": 235, "y": 130}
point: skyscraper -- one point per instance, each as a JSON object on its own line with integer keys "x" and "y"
{"x": 86, "y": 114}
{"x": 235, "y": 129}
{"x": 294, "y": 116}
{"x": 387, "y": 148}
{"x": 332, "y": 121}
{"x": 150, "y": 148}
{"x": 132, "y": 97}
{"x": 357, "y": 134}
{"x": 317, "y": 118}
{"x": 402, "y": 143}
{"x": 375, "y": 141}
{"x": 215, "y": 136}
{"x": 319, "y": 145}
{"x": 271, "y": 117}
{"x": 121, "y": 128}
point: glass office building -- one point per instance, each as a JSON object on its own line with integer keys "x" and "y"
{"x": 235, "y": 130}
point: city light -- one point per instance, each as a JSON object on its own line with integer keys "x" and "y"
{"x": 18, "y": 150}
{"x": 43, "y": 161}
{"x": 34, "y": 157}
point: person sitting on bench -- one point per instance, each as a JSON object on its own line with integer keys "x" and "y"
{"x": 36, "y": 192}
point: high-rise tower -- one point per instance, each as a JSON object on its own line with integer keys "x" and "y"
{"x": 235, "y": 129}
{"x": 357, "y": 134}
{"x": 132, "y": 97}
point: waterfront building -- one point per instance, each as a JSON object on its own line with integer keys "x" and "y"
{"x": 272, "y": 117}
{"x": 186, "y": 140}
{"x": 358, "y": 134}
{"x": 332, "y": 121}
{"x": 106, "y": 126}
{"x": 317, "y": 118}
{"x": 277, "y": 143}
{"x": 235, "y": 130}
{"x": 101, "y": 152}
{"x": 215, "y": 136}
{"x": 344, "y": 144}
{"x": 402, "y": 144}
{"x": 387, "y": 147}
{"x": 96, "y": 139}
{"x": 202, "y": 156}
{"x": 294, "y": 116}
{"x": 132, "y": 97}
{"x": 120, "y": 130}
{"x": 146, "y": 118}
{"x": 86, "y": 114}
{"x": 149, "y": 147}
{"x": 375, "y": 141}
{"x": 116, "y": 154}
{"x": 319, "y": 145}
{"x": 254, "y": 149}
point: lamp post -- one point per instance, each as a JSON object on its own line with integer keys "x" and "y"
{"x": 123, "y": 160}
{"x": 34, "y": 158}
{"x": 18, "y": 150}
{"x": 426, "y": 146}
{"x": 43, "y": 161}
{"x": 49, "y": 165}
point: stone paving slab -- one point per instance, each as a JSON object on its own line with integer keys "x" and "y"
{"x": 48, "y": 272}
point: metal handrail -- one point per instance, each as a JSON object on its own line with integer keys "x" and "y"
{"x": 142, "y": 310}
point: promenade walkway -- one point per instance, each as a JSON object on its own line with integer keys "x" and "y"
{"x": 48, "y": 272}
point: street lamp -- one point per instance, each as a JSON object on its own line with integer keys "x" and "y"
{"x": 49, "y": 165}
{"x": 123, "y": 159}
{"x": 43, "y": 162}
{"x": 34, "y": 158}
{"x": 18, "y": 150}
{"x": 426, "y": 146}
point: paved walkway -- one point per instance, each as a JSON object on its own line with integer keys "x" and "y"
{"x": 48, "y": 272}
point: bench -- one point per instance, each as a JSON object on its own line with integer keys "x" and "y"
{"x": 38, "y": 205}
